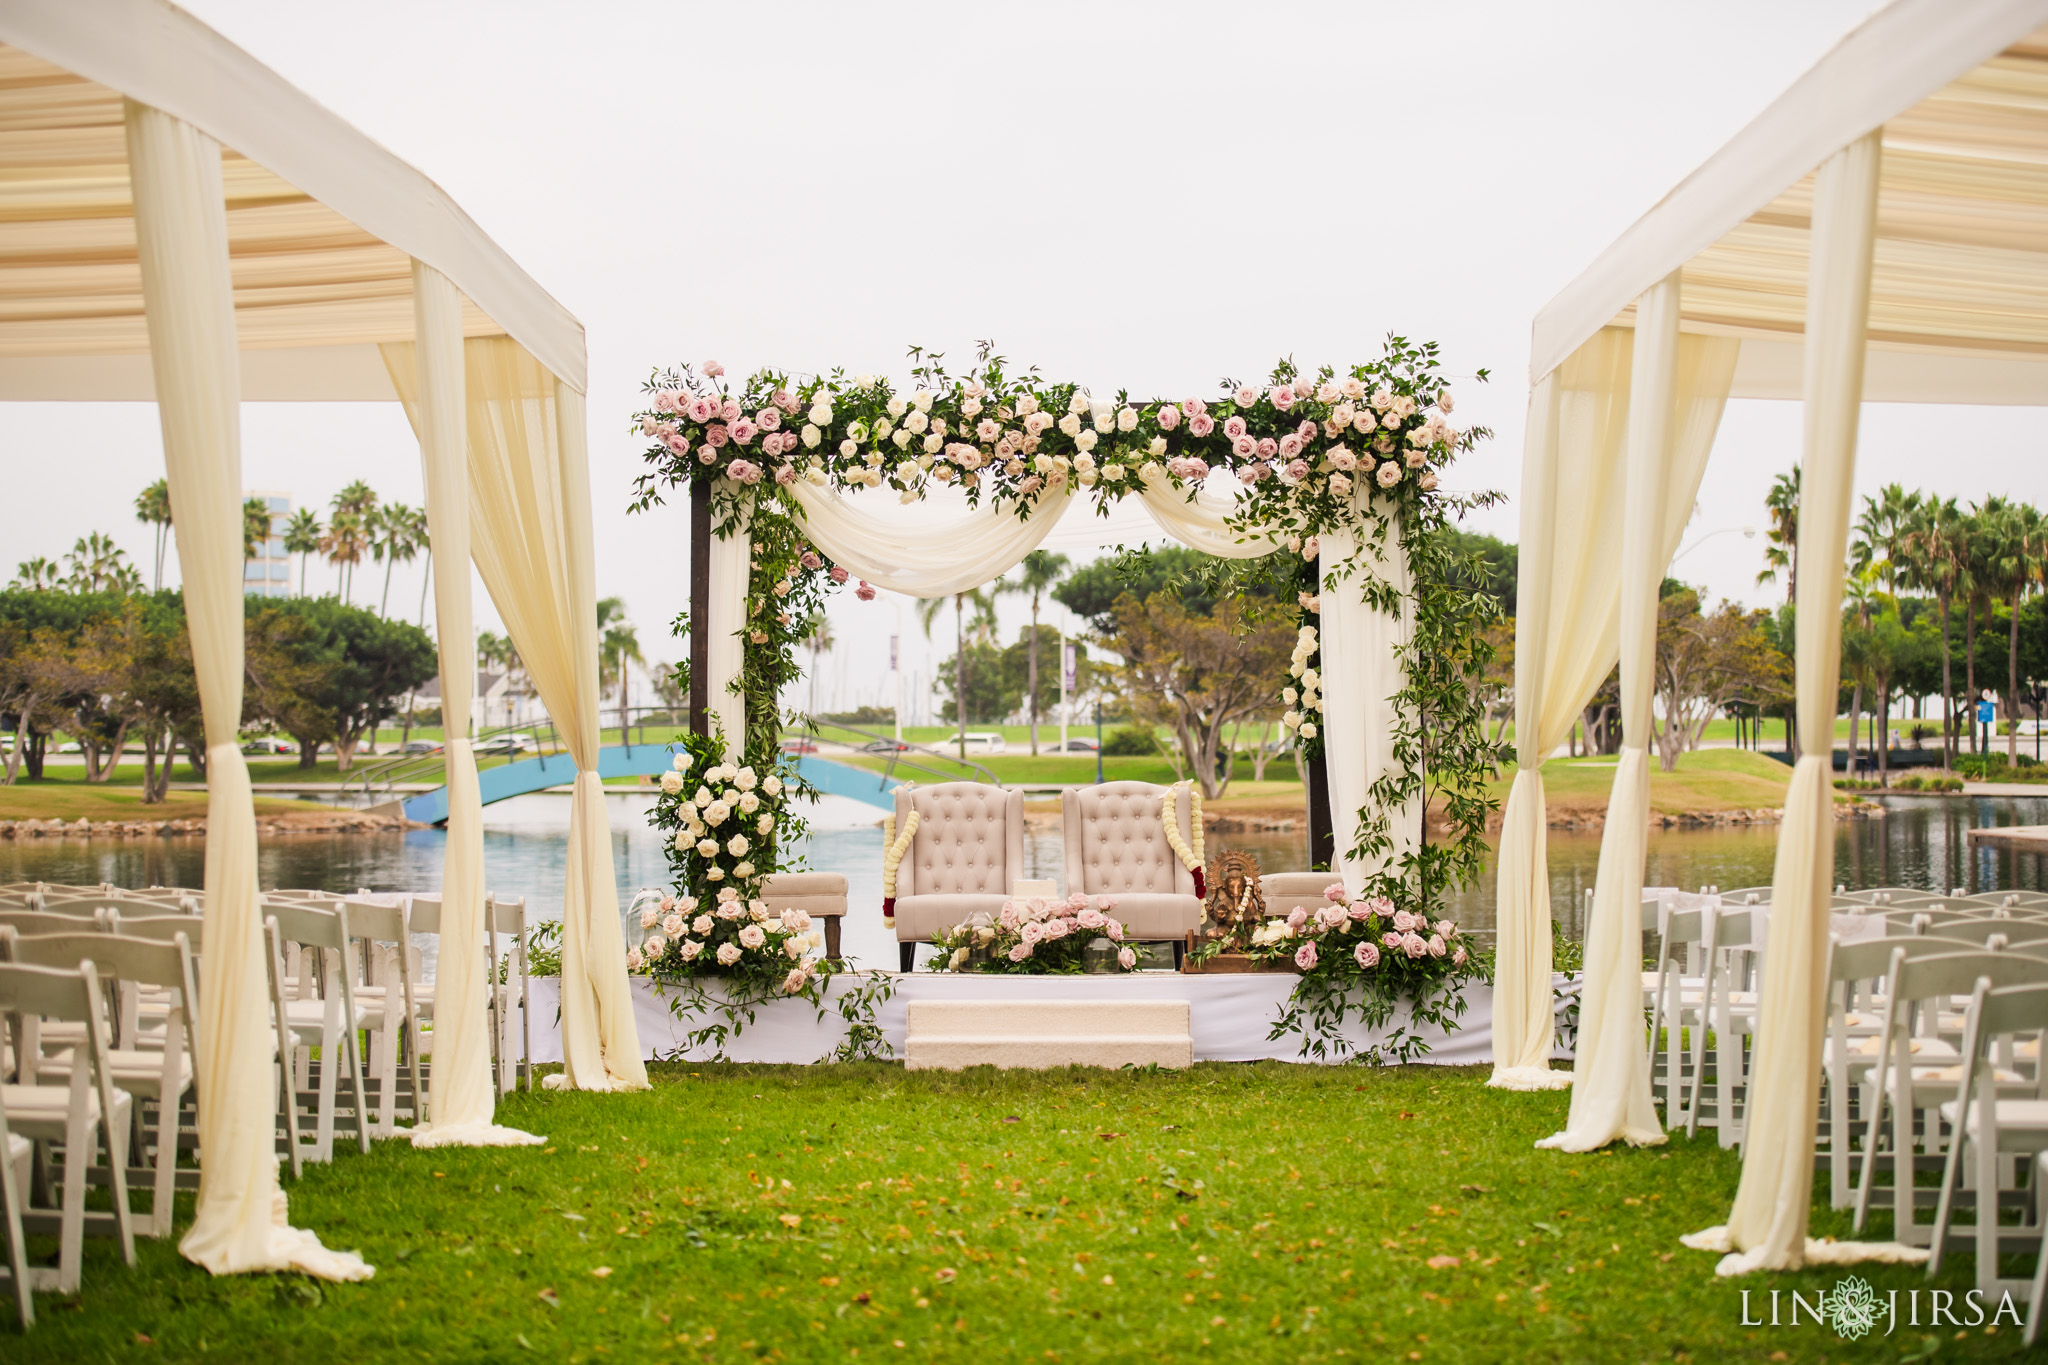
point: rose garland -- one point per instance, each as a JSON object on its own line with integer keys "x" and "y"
{"x": 893, "y": 850}
{"x": 1034, "y": 937}
{"x": 1190, "y": 858}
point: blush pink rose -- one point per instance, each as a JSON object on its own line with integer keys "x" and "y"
{"x": 1392, "y": 942}
{"x": 743, "y": 431}
{"x": 679, "y": 445}
{"x": 1305, "y": 957}
{"x": 785, "y": 400}
{"x": 667, "y": 400}
{"x": 1126, "y": 959}
{"x": 987, "y": 429}
{"x": 1458, "y": 958}
{"x": 729, "y": 410}
{"x": 716, "y": 435}
{"x": 1201, "y": 424}
{"x": 768, "y": 419}
{"x": 1296, "y": 917}
{"x": 1031, "y": 930}
{"x": 713, "y": 369}
{"x": 1091, "y": 918}
{"x": 1290, "y": 445}
{"x": 809, "y": 559}
{"x": 1058, "y": 928}
{"x": 745, "y": 471}
{"x": 703, "y": 409}
{"x": 1389, "y": 474}
{"x": 1194, "y": 407}
{"x": 836, "y": 574}
{"x": 1197, "y": 469}
{"x": 1244, "y": 447}
{"x": 1283, "y": 397}
{"x": 1268, "y": 448}
{"x": 1115, "y": 929}
{"x": 1029, "y": 486}
{"x": 1246, "y": 396}
{"x": 864, "y": 592}
{"x": 1414, "y": 945}
{"x": 1436, "y": 946}
{"x": 1297, "y": 471}
{"x": 1169, "y": 418}
{"x": 1368, "y": 954}
{"x": 1020, "y": 952}
{"x": 1233, "y": 427}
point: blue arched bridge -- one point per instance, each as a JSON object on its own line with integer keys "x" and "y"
{"x": 394, "y": 783}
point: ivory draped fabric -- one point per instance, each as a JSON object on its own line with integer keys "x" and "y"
{"x": 731, "y": 569}
{"x": 181, "y": 235}
{"x": 463, "y": 1100}
{"x": 530, "y": 536}
{"x": 1567, "y": 632}
{"x": 1200, "y": 522}
{"x": 1363, "y": 667}
{"x": 915, "y": 552}
{"x": 1767, "y": 1227}
{"x": 1611, "y": 1096}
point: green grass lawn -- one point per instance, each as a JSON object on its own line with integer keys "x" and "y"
{"x": 1229, "y": 1212}
{"x": 76, "y": 800}
{"x": 1706, "y": 780}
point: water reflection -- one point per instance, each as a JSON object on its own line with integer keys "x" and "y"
{"x": 1922, "y": 842}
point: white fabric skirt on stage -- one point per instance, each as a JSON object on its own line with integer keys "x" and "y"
{"x": 1230, "y": 1016}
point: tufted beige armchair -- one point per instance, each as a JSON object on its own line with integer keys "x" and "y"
{"x": 1117, "y": 847}
{"x": 968, "y": 849}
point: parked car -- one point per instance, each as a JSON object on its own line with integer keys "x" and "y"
{"x": 1076, "y": 746}
{"x": 978, "y": 742}
{"x": 420, "y": 746}
{"x": 69, "y": 747}
{"x": 799, "y": 746}
{"x": 269, "y": 744}
{"x": 884, "y": 746}
{"x": 509, "y": 744}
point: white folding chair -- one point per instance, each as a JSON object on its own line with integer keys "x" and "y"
{"x": 1728, "y": 1012}
{"x": 75, "y": 1115}
{"x": 387, "y": 950}
{"x": 162, "y": 1075}
{"x": 326, "y": 1017}
{"x": 507, "y": 916}
{"x": 1679, "y": 994}
{"x": 1988, "y": 1126}
{"x": 15, "y": 1154}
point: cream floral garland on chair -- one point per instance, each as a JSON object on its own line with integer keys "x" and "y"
{"x": 1190, "y": 858}
{"x": 893, "y": 850}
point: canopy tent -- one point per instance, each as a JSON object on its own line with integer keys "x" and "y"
{"x": 1879, "y": 233}
{"x": 177, "y": 223}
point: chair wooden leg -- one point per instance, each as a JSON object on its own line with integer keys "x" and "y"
{"x": 832, "y": 937}
{"x": 908, "y": 953}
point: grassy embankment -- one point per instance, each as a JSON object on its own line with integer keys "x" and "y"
{"x": 1244, "y": 1213}
{"x": 1707, "y": 781}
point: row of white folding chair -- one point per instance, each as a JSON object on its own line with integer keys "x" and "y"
{"x": 2017, "y": 1125}
{"x": 80, "y": 1115}
{"x": 163, "y": 1074}
{"x": 1917, "y": 989}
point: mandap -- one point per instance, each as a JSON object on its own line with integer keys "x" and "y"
{"x": 1878, "y": 234}
{"x": 182, "y": 226}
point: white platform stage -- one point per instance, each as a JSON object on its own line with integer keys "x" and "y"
{"x": 1230, "y": 1016}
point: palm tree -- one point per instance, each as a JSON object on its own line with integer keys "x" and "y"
{"x": 96, "y": 564}
{"x": 153, "y": 507}
{"x": 255, "y": 526}
{"x": 983, "y": 601}
{"x": 37, "y": 575}
{"x": 349, "y": 531}
{"x": 818, "y": 635}
{"x": 2013, "y": 538}
{"x": 1781, "y": 550}
{"x": 346, "y": 542}
{"x": 619, "y": 645}
{"x": 302, "y": 538}
{"x": 1043, "y": 571}
{"x": 1932, "y": 563}
{"x": 400, "y": 533}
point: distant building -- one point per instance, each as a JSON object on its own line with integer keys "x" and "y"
{"x": 269, "y": 574}
{"x": 490, "y": 704}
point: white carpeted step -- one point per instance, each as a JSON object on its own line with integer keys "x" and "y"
{"x": 951, "y": 1034}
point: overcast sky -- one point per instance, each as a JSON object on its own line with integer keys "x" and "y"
{"x": 1129, "y": 196}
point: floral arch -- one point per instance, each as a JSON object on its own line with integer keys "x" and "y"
{"x": 1329, "y": 480}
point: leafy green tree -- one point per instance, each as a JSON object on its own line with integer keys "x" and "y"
{"x": 1092, "y": 591}
{"x": 255, "y": 526}
{"x": 349, "y": 668}
{"x": 349, "y": 531}
{"x": 1934, "y": 545}
{"x": 37, "y": 575}
{"x": 399, "y": 533}
{"x": 618, "y": 647}
{"x": 96, "y": 564}
{"x": 1781, "y": 539}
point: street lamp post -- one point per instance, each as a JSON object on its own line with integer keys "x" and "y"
{"x": 1098, "y": 740}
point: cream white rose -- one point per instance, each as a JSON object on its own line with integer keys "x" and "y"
{"x": 707, "y": 848}
{"x": 671, "y": 782}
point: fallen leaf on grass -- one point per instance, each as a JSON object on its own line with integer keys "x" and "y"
{"x": 1404, "y": 1114}
{"x": 603, "y": 1272}
{"x": 1109, "y": 1137}
{"x": 791, "y": 1220}
{"x": 1475, "y": 1189}
{"x": 550, "y": 1298}
{"x": 945, "y": 1275}
{"x": 141, "y": 1340}
{"x": 1551, "y": 1228}
{"x": 1442, "y": 1263}
{"x": 1011, "y": 1118}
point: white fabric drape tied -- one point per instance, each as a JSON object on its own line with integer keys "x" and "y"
{"x": 1200, "y": 522}
{"x": 181, "y": 237}
{"x": 1767, "y": 1227}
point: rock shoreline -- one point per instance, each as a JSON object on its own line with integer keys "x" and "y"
{"x": 1589, "y": 821}
{"x": 336, "y": 822}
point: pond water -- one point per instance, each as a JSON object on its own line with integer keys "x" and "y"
{"x": 1921, "y": 842}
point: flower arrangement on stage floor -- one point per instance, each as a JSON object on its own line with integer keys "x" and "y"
{"x": 1036, "y": 937}
{"x": 1366, "y": 954}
